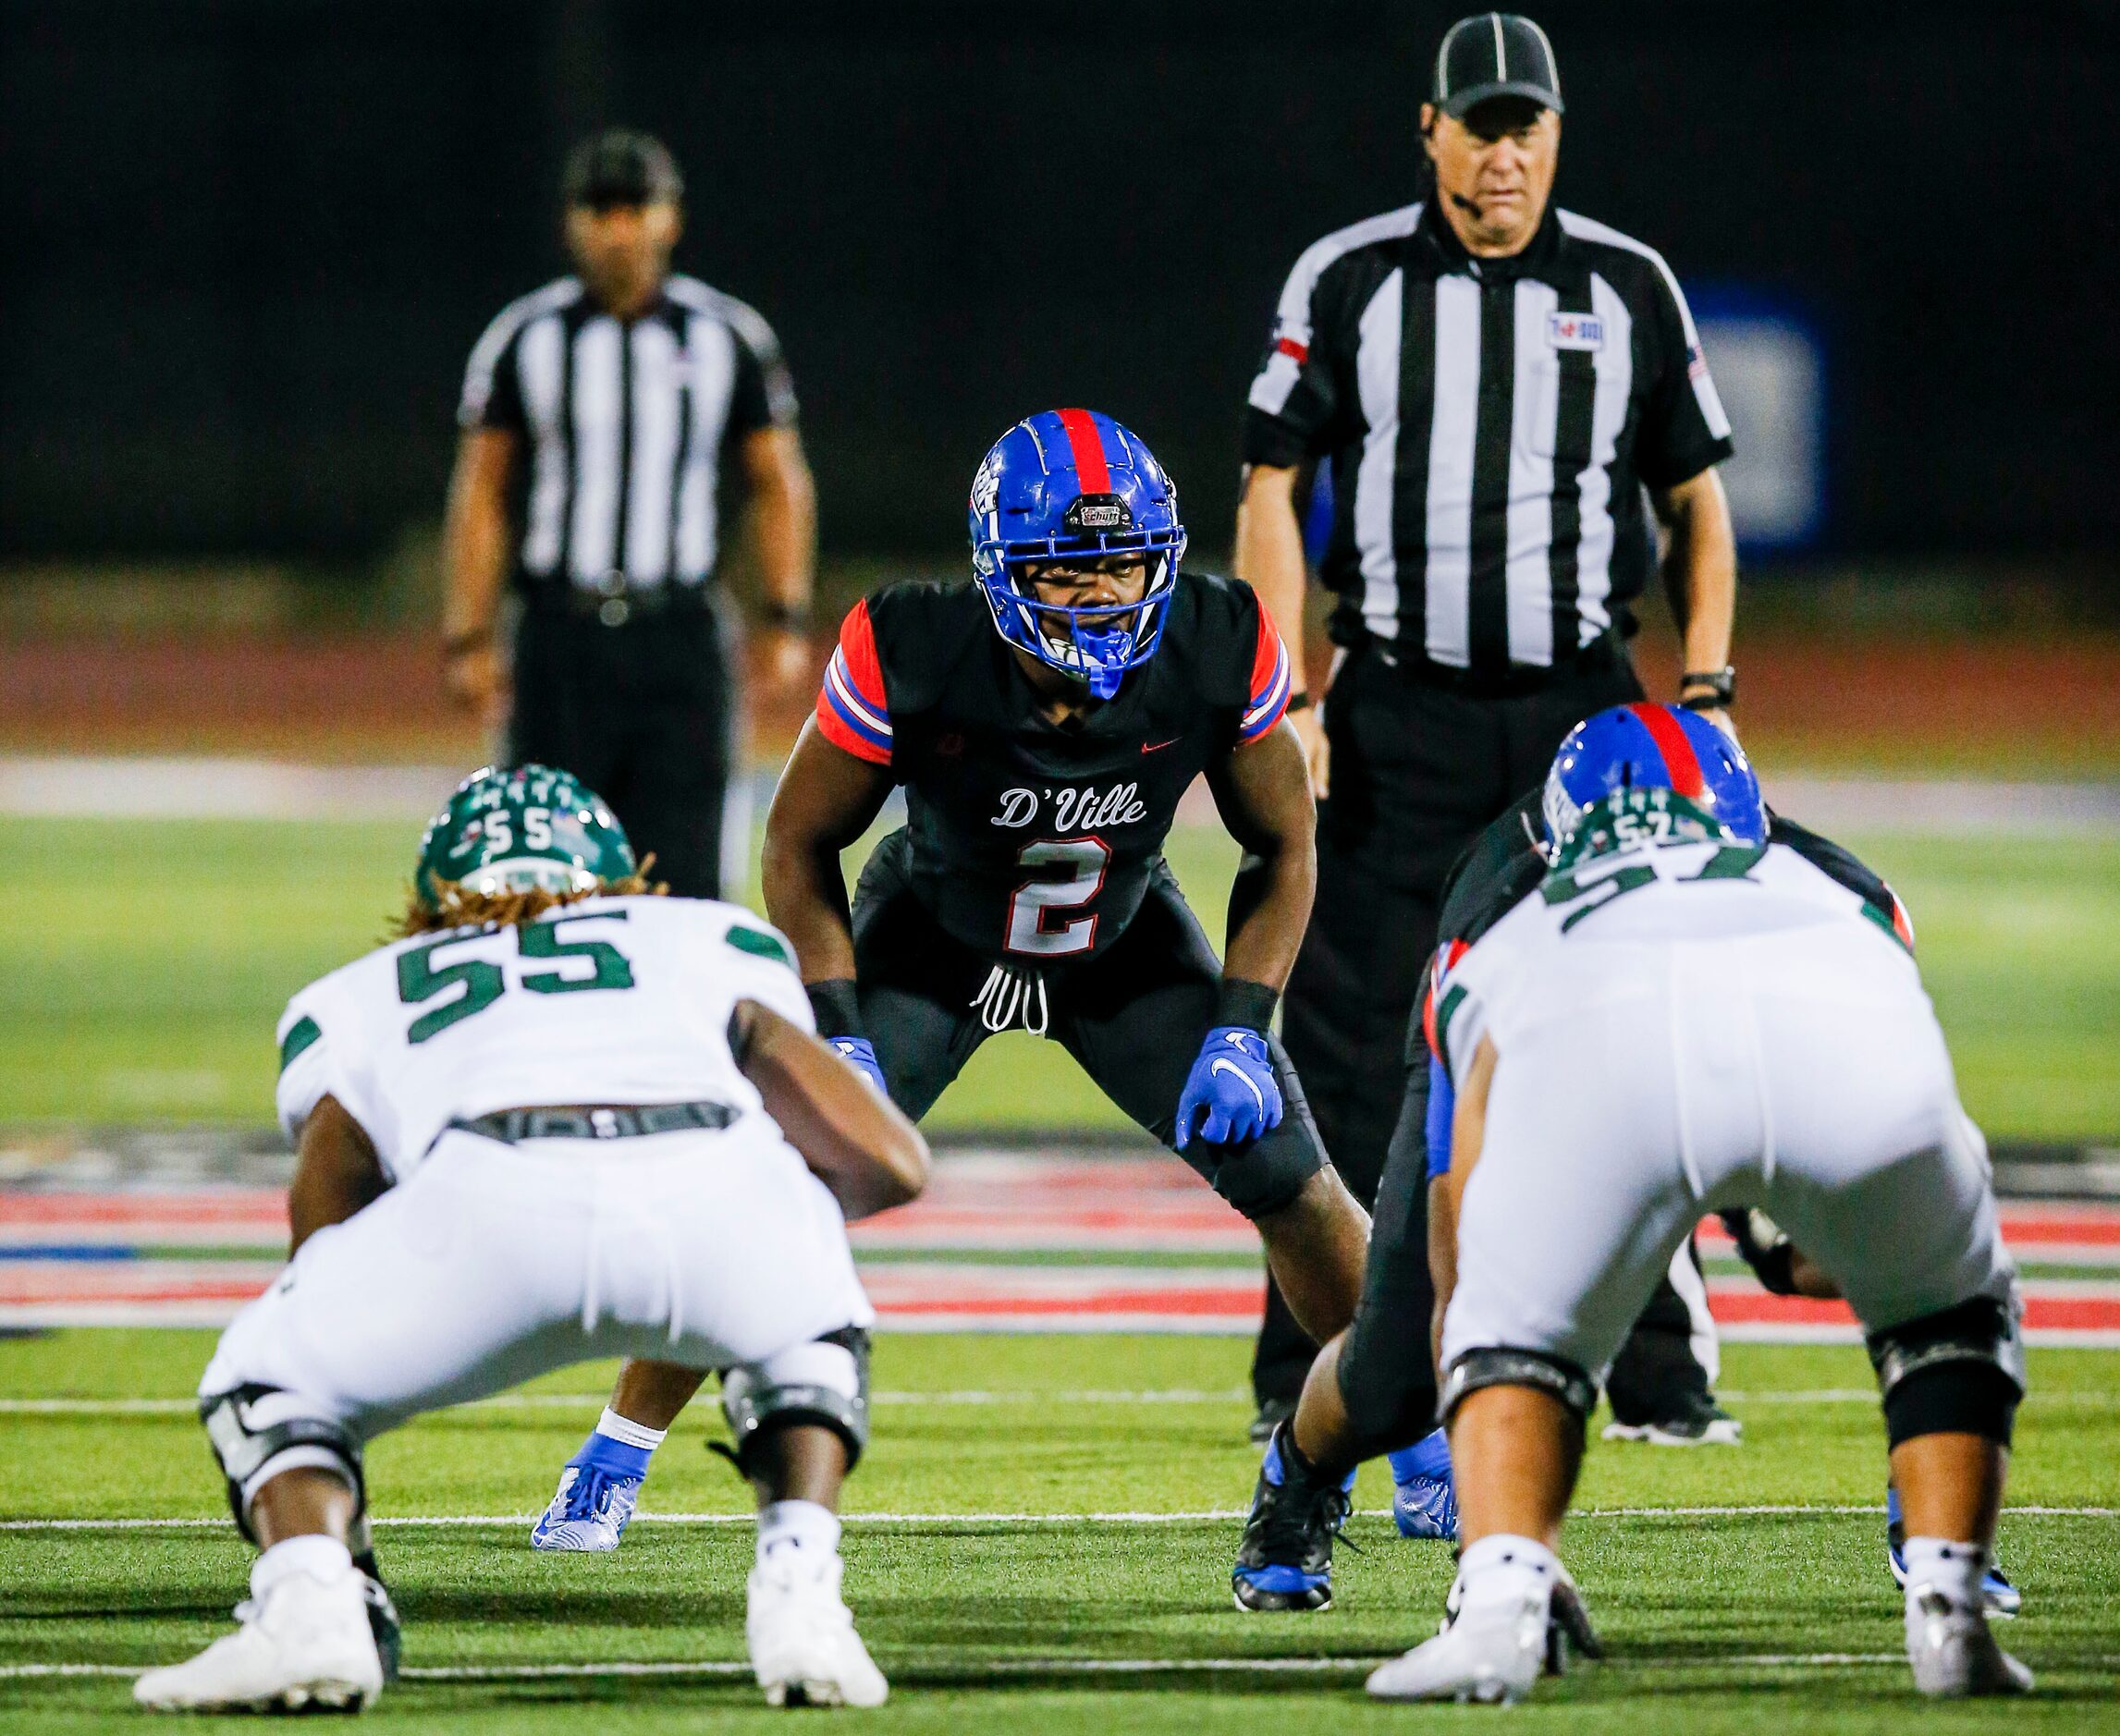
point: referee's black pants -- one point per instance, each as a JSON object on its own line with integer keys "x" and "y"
{"x": 644, "y": 713}
{"x": 1418, "y": 771}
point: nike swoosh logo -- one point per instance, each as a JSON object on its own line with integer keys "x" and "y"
{"x": 1220, "y": 1066}
{"x": 1156, "y": 747}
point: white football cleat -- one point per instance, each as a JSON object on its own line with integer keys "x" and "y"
{"x": 588, "y": 1514}
{"x": 1953, "y": 1654}
{"x": 305, "y": 1646}
{"x": 801, "y": 1635}
{"x": 1491, "y": 1654}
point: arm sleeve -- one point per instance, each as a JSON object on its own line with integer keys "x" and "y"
{"x": 1291, "y": 404}
{"x": 1442, "y": 1112}
{"x": 1267, "y": 693}
{"x": 852, "y": 711}
{"x": 493, "y": 385}
{"x": 763, "y": 393}
{"x": 1683, "y": 429}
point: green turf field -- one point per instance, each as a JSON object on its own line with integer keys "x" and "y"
{"x": 144, "y": 964}
{"x": 1716, "y": 1619}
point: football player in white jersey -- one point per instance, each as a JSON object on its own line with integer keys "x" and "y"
{"x": 1685, "y": 1018}
{"x": 561, "y": 1119}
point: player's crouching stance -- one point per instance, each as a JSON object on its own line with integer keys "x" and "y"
{"x": 1045, "y": 722}
{"x": 559, "y": 1119}
{"x": 1686, "y": 1018}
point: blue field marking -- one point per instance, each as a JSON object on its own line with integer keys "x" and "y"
{"x": 78, "y": 1251}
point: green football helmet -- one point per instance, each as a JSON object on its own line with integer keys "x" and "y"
{"x": 521, "y": 829}
{"x": 1648, "y": 815}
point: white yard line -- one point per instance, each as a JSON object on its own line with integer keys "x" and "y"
{"x": 1114, "y": 1396}
{"x": 441, "y": 1520}
{"x": 910, "y": 1672}
{"x": 577, "y": 1401}
{"x": 976, "y": 1666}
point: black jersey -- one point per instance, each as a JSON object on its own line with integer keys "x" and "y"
{"x": 1029, "y": 839}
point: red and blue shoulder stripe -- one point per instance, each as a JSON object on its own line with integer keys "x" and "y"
{"x": 852, "y": 712}
{"x": 1269, "y": 681}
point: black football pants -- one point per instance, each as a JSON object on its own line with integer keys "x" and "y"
{"x": 644, "y": 713}
{"x": 1134, "y": 1017}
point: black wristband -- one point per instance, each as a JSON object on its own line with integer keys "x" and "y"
{"x": 1246, "y": 1003}
{"x": 790, "y": 617}
{"x": 1298, "y": 701}
{"x": 1721, "y": 685}
{"x": 836, "y": 1008}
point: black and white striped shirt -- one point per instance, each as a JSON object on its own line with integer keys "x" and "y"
{"x": 1490, "y": 424}
{"x": 627, "y": 423}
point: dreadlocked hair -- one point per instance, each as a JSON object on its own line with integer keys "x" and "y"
{"x": 455, "y": 908}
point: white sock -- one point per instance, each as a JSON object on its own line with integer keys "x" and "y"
{"x": 632, "y": 1434}
{"x": 801, "y": 1525}
{"x": 320, "y": 1557}
{"x": 1953, "y": 1569}
{"x": 1503, "y": 1569}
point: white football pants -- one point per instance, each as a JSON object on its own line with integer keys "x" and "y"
{"x": 1802, "y": 1072}
{"x": 493, "y": 1264}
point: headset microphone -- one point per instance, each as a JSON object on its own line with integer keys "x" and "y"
{"x": 1466, "y": 205}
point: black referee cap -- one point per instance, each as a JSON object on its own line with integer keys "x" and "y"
{"x": 618, "y": 167}
{"x": 1494, "y": 53}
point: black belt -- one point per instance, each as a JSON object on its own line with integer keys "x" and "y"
{"x": 1607, "y": 650}
{"x": 615, "y": 1120}
{"x": 613, "y": 602}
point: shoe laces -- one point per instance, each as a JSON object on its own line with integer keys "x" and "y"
{"x": 1289, "y": 1525}
{"x": 589, "y": 1494}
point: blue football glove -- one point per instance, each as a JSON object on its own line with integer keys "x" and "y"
{"x": 1231, "y": 1095}
{"x": 859, "y": 1053}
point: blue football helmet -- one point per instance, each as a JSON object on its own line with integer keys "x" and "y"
{"x": 1654, "y": 747}
{"x": 1073, "y": 485}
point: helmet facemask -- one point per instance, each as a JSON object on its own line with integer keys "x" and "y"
{"x": 1097, "y": 642}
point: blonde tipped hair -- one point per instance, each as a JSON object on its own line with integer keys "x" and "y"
{"x": 454, "y": 907}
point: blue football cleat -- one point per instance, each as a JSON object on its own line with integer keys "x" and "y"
{"x": 1285, "y": 1560}
{"x": 2001, "y": 1598}
{"x": 597, "y": 1493}
{"x": 1424, "y": 1499}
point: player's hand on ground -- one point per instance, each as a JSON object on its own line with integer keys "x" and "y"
{"x": 1316, "y": 751}
{"x": 859, "y": 1053}
{"x": 1230, "y": 1094}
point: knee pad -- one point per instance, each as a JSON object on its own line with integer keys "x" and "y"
{"x": 1959, "y": 1370}
{"x": 1502, "y": 1367}
{"x": 823, "y": 1383}
{"x": 257, "y": 1431}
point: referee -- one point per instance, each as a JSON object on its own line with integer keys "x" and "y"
{"x": 1493, "y": 382}
{"x": 599, "y": 415}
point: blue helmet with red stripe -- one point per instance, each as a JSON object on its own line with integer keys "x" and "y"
{"x": 1075, "y": 486}
{"x": 1647, "y": 746}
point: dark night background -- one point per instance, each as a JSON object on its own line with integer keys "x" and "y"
{"x": 248, "y": 243}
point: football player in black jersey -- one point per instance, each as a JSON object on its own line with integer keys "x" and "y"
{"x": 1044, "y": 722}
{"x": 1367, "y": 1394}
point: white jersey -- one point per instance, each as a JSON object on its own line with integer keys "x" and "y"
{"x": 610, "y": 1000}
{"x": 1553, "y": 955}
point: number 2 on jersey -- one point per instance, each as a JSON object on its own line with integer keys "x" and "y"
{"x": 1037, "y": 900}
{"x": 420, "y": 979}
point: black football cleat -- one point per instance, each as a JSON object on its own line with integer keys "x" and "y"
{"x": 1285, "y": 1560}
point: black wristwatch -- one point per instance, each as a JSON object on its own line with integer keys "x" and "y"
{"x": 1720, "y": 684}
